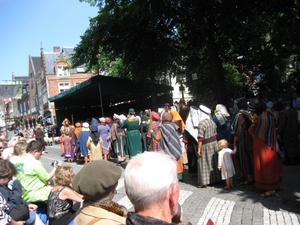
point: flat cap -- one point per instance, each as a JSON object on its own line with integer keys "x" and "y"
{"x": 96, "y": 179}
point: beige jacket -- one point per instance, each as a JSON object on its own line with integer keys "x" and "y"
{"x": 89, "y": 213}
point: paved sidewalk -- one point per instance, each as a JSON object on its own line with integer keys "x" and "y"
{"x": 240, "y": 205}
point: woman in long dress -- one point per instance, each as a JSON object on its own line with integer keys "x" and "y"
{"x": 105, "y": 134}
{"x": 243, "y": 142}
{"x": 155, "y": 117}
{"x": 68, "y": 147}
{"x": 118, "y": 138}
{"x": 81, "y": 142}
{"x": 267, "y": 161}
{"x": 207, "y": 150}
{"x": 94, "y": 142}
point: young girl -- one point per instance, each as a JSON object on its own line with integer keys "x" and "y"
{"x": 225, "y": 163}
{"x": 68, "y": 147}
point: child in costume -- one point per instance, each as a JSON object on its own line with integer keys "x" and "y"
{"x": 225, "y": 163}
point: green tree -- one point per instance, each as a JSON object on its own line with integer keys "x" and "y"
{"x": 227, "y": 43}
{"x": 141, "y": 33}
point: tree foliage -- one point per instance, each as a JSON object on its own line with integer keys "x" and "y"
{"x": 227, "y": 43}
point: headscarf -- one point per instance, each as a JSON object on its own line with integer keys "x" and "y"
{"x": 77, "y": 129}
{"x": 221, "y": 113}
{"x": 94, "y": 135}
{"x": 166, "y": 117}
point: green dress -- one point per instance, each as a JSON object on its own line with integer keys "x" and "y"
{"x": 133, "y": 135}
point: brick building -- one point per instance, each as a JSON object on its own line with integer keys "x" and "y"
{"x": 49, "y": 74}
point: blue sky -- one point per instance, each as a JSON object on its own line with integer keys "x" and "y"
{"x": 24, "y": 24}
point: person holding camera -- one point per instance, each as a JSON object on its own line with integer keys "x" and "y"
{"x": 60, "y": 206}
{"x": 34, "y": 177}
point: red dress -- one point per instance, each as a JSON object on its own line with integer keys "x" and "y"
{"x": 267, "y": 161}
{"x": 267, "y": 166}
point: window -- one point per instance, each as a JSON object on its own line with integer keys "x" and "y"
{"x": 62, "y": 72}
{"x": 63, "y": 86}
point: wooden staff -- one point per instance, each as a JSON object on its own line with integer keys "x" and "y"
{"x": 72, "y": 119}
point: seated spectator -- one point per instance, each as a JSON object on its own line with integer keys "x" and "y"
{"x": 34, "y": 177}
{"x": 13, "y": 196}
{"x": 60, "y": 202}
{"x": 153, "y": 190}
{"x": 18, "y": 150}
{"x": 97, "y": 182}
{"x": 5, "y": 218}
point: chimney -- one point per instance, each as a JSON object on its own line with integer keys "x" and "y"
{"x": 56, "y": 49}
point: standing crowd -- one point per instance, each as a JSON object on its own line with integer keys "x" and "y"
{"x": 251, "y": 140}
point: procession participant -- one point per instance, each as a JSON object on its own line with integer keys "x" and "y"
{"x": 190, "y": 138}
{"x": 175, "y": 116}
{"x": 94, "y": 142}
{"x": 133, "y": 135}
{"x": 183, "y": 110}
{"x": 288, "y": 129}
{"x": 118, "y": 138}
{"x": 39, "y": 136}
{"x": 243, "y": 142}
{"x": 105, "y": 134}
{"x": 81, "y": 142}
{"x": 144, "y": 129}
{"x": 207, "y": 150}
{"x": 169, "y": 141}
{"x": 65, "y": 126}
{"x": 267, "y": 162}
{"x": 155, "y": 121}
{"x": 223, "y": 122}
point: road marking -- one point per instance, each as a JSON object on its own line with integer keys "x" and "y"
{"x": 218, "y": 210}
{"x": 183, "y": 196}
{"x": 279, "y": 217}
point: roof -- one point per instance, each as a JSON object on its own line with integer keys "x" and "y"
{"x": 113, "y": 91}
{"x": 51, "y": 57}
{"x": 36, "y": 60}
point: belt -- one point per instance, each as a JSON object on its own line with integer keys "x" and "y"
{"x": 209, "y": 140}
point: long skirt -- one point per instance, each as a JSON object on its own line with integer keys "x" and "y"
{"x": 267, "y": 166}
{"x": 119, "y": 145}
{"x": 208, "y": 172}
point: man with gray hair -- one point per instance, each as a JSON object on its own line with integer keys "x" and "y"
{"x": 153, "y": 190}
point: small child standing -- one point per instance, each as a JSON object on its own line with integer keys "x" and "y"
{"x": 225, "y": 163}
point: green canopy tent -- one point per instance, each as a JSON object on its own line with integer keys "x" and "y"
{"x": 103, "y": 96}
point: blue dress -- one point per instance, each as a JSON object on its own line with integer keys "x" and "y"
{"x": 104, "y": 132}
{"x": 81, "y": 142}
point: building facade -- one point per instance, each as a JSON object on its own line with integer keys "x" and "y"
{"x": 48, "y": 74}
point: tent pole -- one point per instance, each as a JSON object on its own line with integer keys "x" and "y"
{"x": 100, "y": 95}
